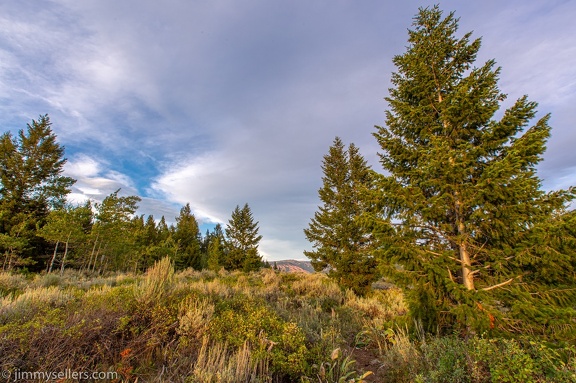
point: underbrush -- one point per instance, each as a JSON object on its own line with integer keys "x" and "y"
{"x": 233, "y": 327}
{"x": 474, "y": 360}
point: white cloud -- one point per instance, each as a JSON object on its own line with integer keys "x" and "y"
{"x": 220, "y": 104}
{"x": 94, "y": 180}
{"x": 82, "y": 166}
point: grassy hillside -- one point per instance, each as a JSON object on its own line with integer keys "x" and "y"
{"x": 234, "y": 327}
{"x": 293, "y": 266}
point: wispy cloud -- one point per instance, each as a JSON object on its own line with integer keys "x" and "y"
{"x": 219, "y": 104}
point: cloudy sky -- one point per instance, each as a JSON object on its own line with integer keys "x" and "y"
{"x": 224, "y": 102}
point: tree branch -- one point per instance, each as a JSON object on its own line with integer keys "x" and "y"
{"x": 498, "y": 285}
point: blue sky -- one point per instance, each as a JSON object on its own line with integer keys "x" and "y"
{"x": 221, "y": 103}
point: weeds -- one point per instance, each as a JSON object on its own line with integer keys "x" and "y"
{"x": 339, "y": 369}
{"x": 157, "y": 283}
{"x": 265, "y": 327}
{"x": 216, "y": 363}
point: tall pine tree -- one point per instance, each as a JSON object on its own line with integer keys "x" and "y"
{"x": 469, "y": 233}
{"x": 242, "y": 241}
{"x": 31, "y": 183}
{"x": 342, "y": 244}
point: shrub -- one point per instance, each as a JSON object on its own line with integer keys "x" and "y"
{"x": 157, "y": 283}
{"x": 339, "y": 369}
{"x": 446, "y": 360}
{"x": 194, "y": 318}
{"x": 243, "y": 319}
{"x": 217, "y": 363}
{"x": 215, "y": 288}
{"x": 402, "y": 360}
{"x": 31, "y": 302}
{"x": 11, "y": 283}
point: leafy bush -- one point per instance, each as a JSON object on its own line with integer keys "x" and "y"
{"x": 446, "y": 359}
{"x": 243, "y": 319}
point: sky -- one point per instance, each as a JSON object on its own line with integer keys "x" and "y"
{"x": 223, "y": 102}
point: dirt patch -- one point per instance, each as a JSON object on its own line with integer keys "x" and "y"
{"x": 368, "y": 360}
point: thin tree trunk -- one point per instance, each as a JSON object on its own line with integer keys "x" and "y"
{"x": 102, "y": 260}
{"x": 10, "y": 258}
{"x": 53, "y": 257}
{"x": 93, "y": 250}
{"x": 65, "y": 253}
{"x": 96, "y": 257}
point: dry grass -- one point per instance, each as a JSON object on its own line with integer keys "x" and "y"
{"x": 31, "y": 301}
{"x": 216, "y": 363}
{"x": 159, "y": 280}
{"x": 317, "y": 285}
{"x": 214, "y": 288}
{"x": 10, "y": 283}
{"x": 382, "y": 304}
{"x": 194, "y": 318}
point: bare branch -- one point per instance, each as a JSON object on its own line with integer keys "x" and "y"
{"x": 451, "y": 276}
{"x": 498, "y": 285}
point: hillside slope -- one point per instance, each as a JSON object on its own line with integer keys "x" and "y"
{"x": 292, "y": 266}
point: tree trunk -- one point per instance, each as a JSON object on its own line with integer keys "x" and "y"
{"x": 65, "y": 253}
{"x": 95, "y": 260}
{"x": 10, "y": 258}
{"x": 92, "y": 254}
{"x": 467, "y": 276}
{"x": 53, "y": 257}
{"x": 101, "y": 270}
{"x": 466, "y": 263}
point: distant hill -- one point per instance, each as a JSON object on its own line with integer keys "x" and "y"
{"x": 292, "y": 266}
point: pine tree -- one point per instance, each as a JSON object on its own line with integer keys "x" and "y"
{"x": 242, "y": 241}
{"x": 187, "y": 235}
{"x": 31, "y": 183}
{"x": 468, "y": 230}
{"x": 214, "y": 254}
{"x": 342, "y": 244}
{"x": 162, "y": 230}
{"x": 216, "y": 248}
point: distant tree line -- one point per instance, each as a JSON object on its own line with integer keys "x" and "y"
{"x": 39, "y": 230}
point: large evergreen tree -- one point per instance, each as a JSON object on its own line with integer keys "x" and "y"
{"x": 242, "y": 241}
{"x": 31, "y": 183}
{"x": 342, "y": 244}
{"x": 469, "y": 233}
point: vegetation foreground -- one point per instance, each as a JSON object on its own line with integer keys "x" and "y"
{"x": 265, "y": 326}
